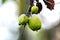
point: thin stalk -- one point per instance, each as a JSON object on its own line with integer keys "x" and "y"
{"x": 22, "y": 32}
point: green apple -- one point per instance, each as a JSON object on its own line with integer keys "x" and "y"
{"x": 34, "y": 9}
{"x": 23, "y": 19}
{"x": 34, "y": 23}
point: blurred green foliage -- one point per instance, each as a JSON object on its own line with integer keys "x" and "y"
{"x": 3, "y": 1}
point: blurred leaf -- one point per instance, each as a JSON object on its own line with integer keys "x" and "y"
{"x": 3, "y": 1}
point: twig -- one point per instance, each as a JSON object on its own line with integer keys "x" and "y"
{"x": 21, "y": 34}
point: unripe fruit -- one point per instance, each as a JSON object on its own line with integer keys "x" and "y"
{"x": 23, "y": 19}
{"x": 34, "y": 23}
{"x": 34, "y": 9}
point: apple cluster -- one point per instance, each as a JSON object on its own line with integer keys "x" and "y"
{"x": 33, "y": 21}
{"x": 31, "y": 18}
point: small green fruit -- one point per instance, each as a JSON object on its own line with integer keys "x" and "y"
{"x": 23, "y": 19}
{"x": 34, "y": 9}
{"x": 34, "y": 23}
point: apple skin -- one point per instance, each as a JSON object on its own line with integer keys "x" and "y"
{"x": 34, "y": 9}
{"x": 34, "y": 23}
{"x": 23, "y": 19}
